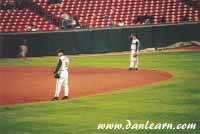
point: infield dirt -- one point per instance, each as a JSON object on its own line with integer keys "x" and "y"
{"x": 22, "y": 84}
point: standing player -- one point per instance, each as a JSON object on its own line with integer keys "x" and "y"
{"x": 61, "y": 75}
{"x": 23, "y": 49}
{"x": 134, "y": 58}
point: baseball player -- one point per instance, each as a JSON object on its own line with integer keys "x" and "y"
{"x": 61, "y": 75}
{"x": 23, "y": 49}
{"x": 134, "y": 58}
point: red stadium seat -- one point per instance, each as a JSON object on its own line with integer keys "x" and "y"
{"x": 18, "y": 20}
{"x": 93, "y": 12}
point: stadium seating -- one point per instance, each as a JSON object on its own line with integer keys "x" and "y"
{"x": 19, "y": 20}
{"x": 95, "y": 13}
{"x": 91, "y": 12}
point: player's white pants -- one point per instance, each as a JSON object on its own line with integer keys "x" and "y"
{"x": 134, "y": 61}
{"x": 62, "y": 81}
{"x": 22, "y": 54}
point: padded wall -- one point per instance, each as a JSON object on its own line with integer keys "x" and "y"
{"x": 97, "y": 40}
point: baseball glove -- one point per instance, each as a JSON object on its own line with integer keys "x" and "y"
{"x": 56, "y": 75}
{"x": 135, "y": 55}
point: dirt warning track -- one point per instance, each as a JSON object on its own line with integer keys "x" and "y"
{"x": 33, "y": 84}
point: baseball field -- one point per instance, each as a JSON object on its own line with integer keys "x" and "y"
{"x": 175, "y": 99}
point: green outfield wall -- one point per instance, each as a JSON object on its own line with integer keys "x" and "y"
{"x": 97, "y": 40}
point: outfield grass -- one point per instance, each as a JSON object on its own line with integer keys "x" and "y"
{"x": 175, "y": 101}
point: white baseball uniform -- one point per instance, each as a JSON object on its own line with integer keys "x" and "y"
{"x": 23, "y": 51}
{"x": 62, "y": 69}
{"x": 134, "y": 61}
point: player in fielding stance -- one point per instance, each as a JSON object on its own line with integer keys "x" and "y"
{"x": 61, "y": 75}
{"x": 134, "y": 58}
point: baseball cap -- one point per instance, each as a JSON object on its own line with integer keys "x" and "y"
{"x": 60, "y": 50}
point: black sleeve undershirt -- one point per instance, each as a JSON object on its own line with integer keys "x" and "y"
{"x": 58, "y": 66}
{"x": 137, "y": 45}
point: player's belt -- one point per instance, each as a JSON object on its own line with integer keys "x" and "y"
{"x": 63, "y": 70}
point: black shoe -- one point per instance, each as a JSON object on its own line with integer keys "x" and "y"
{"x": 130, "y": 69}
{"x": 136, "y": 69}
{"x": 65, "y": 98}
{"x": 54, "y": 99}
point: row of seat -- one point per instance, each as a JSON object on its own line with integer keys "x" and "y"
{"x": 7, "y": 1}
{"x": 97, "y": 13}
{"x": 20, "y": 20}
{"x": 90, "y": 12}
